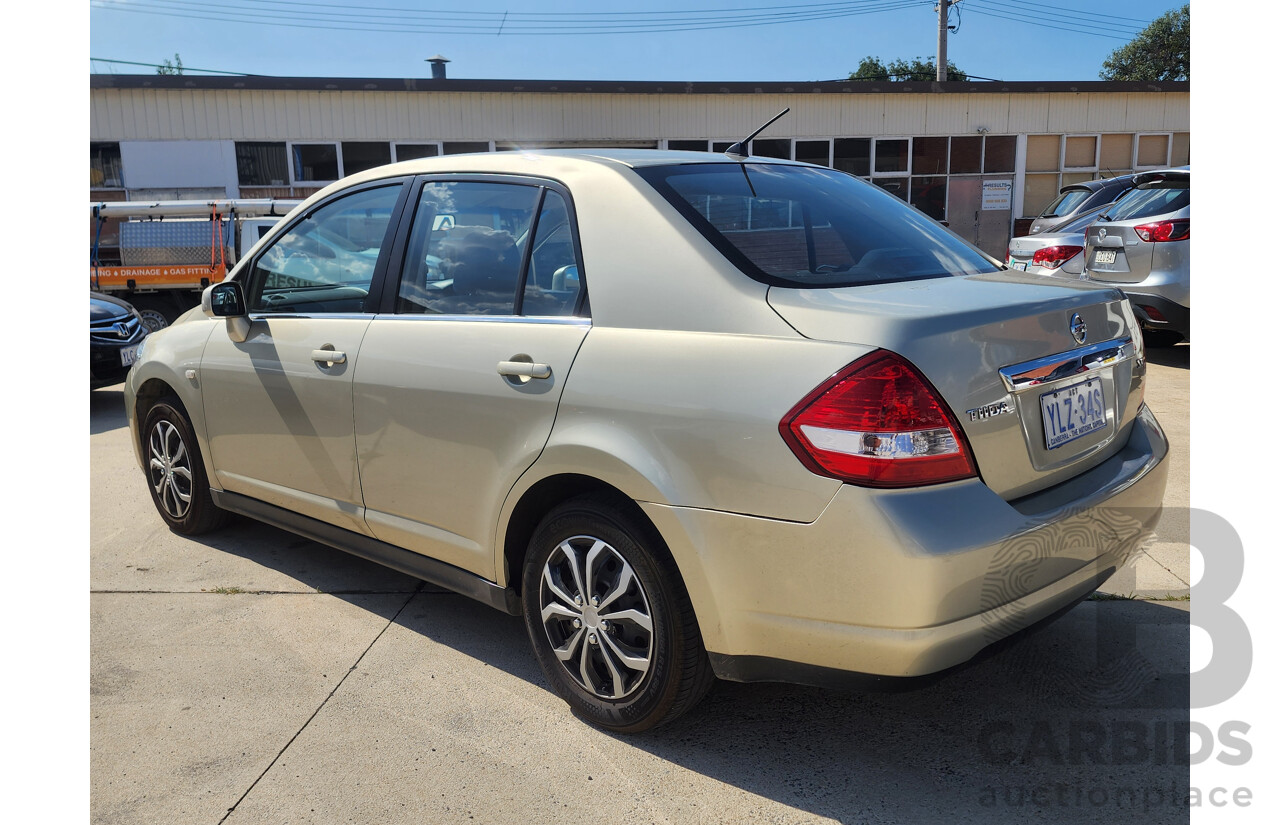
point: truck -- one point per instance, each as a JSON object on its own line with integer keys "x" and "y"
{"x": 159, "y": 255}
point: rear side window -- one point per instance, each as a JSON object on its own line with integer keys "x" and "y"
{"x": 1167, "y": 196}
{"x": 797, "y": 226}
{"x": 1066, "y": 203}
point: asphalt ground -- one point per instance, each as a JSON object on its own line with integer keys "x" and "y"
{"x": 251, "y": 676}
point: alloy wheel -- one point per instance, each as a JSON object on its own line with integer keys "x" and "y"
{"x": 169, "y": 469}
{"x": 596, "y": 616}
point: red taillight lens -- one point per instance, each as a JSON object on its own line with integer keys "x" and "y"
{"x": 1052, "y": 257}
{"x": 1179, "y": 230}
{"x": 878, "y": 423}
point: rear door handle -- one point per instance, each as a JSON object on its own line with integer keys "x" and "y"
{"x": 524, "y": 369}
{"x": 328, "y": 357}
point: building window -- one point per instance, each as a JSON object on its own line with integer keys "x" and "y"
{"x": 358, "y": 156}
{"x": 1153, "y": 150}
{"x": 929, "y": 156}
{"x": 687, "y": 145}
{"x": 462, "y": 147}
{"x": 853, "y": 155}
{"x": 771, "y": 148}
{"x": 892, "y": 155}
{"x": 315, "y": 162}
{"x": 1080, "y": 152}
{"x": 1044, "y": 152}
{"x": 104, "y": 166}
{"x": 1116, "y": 154}
{"x": 814, "y": 151}
{"x": 262, "y": 164}
{"x": 929, "y": 195}
{"x": 966, "y": 155}
{"x": 999, "y": 153}
{"x": 413, "y": 151}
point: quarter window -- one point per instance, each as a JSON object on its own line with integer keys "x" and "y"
{"x": 326, "y": 261}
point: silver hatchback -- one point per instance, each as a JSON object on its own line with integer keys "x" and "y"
{"x": 1142, "y": 244}
{"x": 690, "y": 416}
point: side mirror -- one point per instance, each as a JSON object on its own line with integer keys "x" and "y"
{"x": 224, "y": 300}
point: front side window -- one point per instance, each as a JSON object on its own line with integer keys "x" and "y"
{"x": 820, "y": 228}
{"x": 325, "y": 263}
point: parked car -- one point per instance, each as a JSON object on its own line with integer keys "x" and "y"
{"x": 1142, "y": 245}
{"x": 1076, "y": 198}
{"x": 691, "y": 417}
{"x": 115, "y": 331}
{"x": 1055, "y": 252}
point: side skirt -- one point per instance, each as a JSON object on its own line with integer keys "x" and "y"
{"x": 388, "y": 555}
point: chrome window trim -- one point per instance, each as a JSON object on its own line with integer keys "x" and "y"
{"x": 267, "y": 316}
{"x": 1053, "y": 368}
{"x": 562, "y": 320}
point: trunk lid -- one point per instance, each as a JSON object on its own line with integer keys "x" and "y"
{"x": 997, "y": 348}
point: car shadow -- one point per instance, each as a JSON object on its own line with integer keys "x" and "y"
{"x": 1178, "y": 356}
{"x": 106, "y": 410}
{"x": 1080, "y": 721}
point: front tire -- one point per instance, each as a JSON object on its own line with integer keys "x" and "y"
{"x": 175, "y": 471}
{"x": 609, "y": 619}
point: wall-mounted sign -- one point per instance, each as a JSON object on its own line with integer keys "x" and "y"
{"x": 997, "y": 194}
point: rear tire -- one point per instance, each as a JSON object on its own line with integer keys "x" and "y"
{"x": 610, "y": 621}
{"x": 175, "y": 471}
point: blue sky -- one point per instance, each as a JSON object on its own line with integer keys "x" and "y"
{"x": 998, "y": 39}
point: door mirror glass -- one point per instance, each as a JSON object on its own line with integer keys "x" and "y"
{"x": 224, "y": 300}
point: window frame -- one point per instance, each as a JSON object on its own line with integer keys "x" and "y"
{"x": 395, "y": 270}
{"x": 1062, "y": 152}
{"x": 377, "y": 284}
{"x": 1168, "y": 150}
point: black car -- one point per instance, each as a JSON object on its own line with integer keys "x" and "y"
{"x": 1076, "y": 198}
{"x": 115, "y": 331}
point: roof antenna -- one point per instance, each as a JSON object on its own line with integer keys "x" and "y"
{"x": 738, "y": 151}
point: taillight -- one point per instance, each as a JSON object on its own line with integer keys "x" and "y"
{"x": 1179, "y": 230}
{"x": 1052, "y": 257}
{"x": 878, "y": 423}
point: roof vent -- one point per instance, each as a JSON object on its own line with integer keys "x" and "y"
{"x": 437, "y": 66}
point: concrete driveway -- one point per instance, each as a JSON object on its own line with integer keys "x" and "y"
{"x": 255, "y": 677}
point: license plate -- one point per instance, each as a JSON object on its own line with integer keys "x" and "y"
{"x": 1020, "y": 265}
{"x": 128, "y": 355}
{"x": 1072, "y": 412}
{"x": 1104, "y": 256}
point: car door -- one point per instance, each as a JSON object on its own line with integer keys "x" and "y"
{"x": 458, "y": 382}
{"x": 278, "y": 405}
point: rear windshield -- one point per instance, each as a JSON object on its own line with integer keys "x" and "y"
{"x": 801, "y": 226}
{"x": 1080, "y": 222}
{"x": 1068, "y": 202}
{"x": 1168, "y": 195}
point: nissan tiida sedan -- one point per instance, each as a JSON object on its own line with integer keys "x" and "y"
{"x": 693, "y": 416}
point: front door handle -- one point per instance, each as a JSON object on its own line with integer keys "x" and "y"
{"x": 328, "y": 357}
{"x": 524, "y": 369}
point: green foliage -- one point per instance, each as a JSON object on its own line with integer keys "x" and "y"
{"x": 920, "y": 69}
{"x": 170, "y": 68}
{"x": 1161, "y": 51}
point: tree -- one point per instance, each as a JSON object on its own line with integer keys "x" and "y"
{"x": 1161, "y": 51}
{"x": 919, "y": 69}
{"x": 171, "y": 68}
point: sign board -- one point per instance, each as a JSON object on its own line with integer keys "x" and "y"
{"x": 997, "y": 194}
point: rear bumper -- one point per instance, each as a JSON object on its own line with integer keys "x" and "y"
{"x": 907, "y": 583}
{"x": 1172, "y": 316}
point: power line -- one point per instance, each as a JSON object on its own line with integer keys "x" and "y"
{"x": 467, "y": 23}
{"x": 1055, "y": 23}
{"x": 163, "y": 65}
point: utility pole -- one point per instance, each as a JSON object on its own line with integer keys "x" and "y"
{"x": 944, "y": 6}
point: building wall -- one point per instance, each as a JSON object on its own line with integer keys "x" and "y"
{"x": 189, "y": 134}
